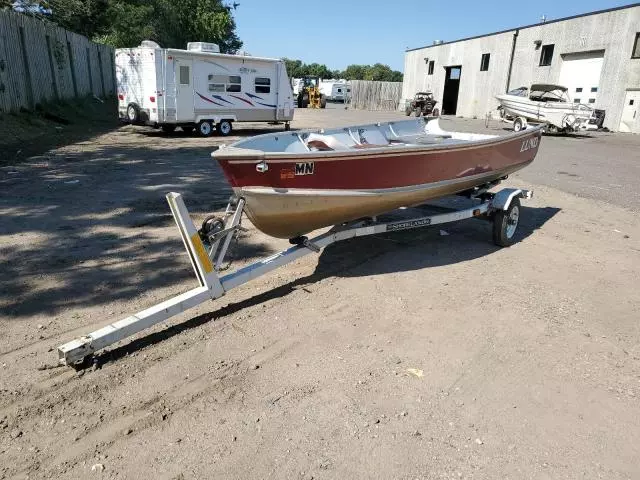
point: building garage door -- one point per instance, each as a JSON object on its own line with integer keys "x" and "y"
{"x": 580, "y": 73}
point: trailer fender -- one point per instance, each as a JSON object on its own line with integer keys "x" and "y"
{"x": 215, "y": 119}
{"x": 502, "y": 199}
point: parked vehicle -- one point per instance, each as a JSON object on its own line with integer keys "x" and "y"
{"x": 335, "y": 91}
{"x": 423, "y": 103}
{"x": 310, "y": 94}
{"x": 200, "y": 88}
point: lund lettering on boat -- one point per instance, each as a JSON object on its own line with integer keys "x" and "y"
{"x": 529, "y": 143}
{"x": 392, "y": 227}
{"x": 304, "y": 168}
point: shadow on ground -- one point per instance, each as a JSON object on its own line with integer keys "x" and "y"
{"x": 86, "y": 228}
{"x": 365, "y": 256}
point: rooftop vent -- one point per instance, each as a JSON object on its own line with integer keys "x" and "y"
{"x": 149, "y": 44}
{"x": 203, "y": 47}
{"x": 438, "y": 42}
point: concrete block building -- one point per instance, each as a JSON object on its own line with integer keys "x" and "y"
{"x": 595, "y": 55}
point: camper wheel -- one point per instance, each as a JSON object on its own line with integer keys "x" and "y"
{"x": 224, "y": 128}
{"x": 133, "y": 113}
{"x": 205, "y": 129}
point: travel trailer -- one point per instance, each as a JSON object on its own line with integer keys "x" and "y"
{"x": 200, "y": 88}
{"x": 335, "y": 91}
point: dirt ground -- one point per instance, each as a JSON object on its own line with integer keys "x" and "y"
{"x": 413, "y": 355}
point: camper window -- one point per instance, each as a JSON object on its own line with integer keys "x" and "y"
{"x": 224, "y": 83}
{"x": 184, "y": 75}
{"x": 235, "y": 84}
{"x": 263, "y": 85}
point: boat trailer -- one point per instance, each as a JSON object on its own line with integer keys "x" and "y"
{"x": 208, "y": 246}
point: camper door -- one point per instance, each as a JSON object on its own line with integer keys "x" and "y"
{"x": 184, "y": 90}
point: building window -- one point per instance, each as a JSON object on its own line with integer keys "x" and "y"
{"x": 184, "y": 75}
{"x": 578, "y": 90}
{"x": 631, "y": 102}
{"x": 263, "y": 85}
{"x": 592, "y": 100}
{"x": 576, "y": 100}
{"x": 594, "y": 89}
{"x": 484, "y": 62}
{"x": 431, "y": 65}
{"x": 635, "y": 53}
{"x": 224, "y": 83}
{"x": 546, "y": 55}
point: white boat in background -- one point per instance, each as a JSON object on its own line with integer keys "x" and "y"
{"x": 544, "y": 103}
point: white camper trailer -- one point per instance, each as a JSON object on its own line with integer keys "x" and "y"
{"x": 335, "y": 91}
{"x": 200, "y": 88}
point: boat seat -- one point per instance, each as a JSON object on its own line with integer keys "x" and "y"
{"x": 426, "y": 139}
{"x": 325, "y": 142}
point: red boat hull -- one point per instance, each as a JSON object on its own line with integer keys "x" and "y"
{"x": 300, "y": 193}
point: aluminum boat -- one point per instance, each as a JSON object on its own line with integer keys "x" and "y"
{"x": 296, "y": 182}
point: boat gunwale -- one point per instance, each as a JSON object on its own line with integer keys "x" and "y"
{"x": 237, "y": 155}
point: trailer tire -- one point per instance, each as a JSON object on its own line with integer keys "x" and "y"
{"x": 168, "y": 128}
{"x": 505, "y": 224}
{"x": 205, "y": 128}
{"x": 518, "y": 124}
{"x": 323, "y": 101}
{"x": 133, "y": 113}
{"x": 224, "y": 128}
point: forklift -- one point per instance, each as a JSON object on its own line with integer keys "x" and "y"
{"x": 309, "y": 95}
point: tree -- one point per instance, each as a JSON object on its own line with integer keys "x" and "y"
{"x": 355, "y": 72}
{"x": 125, "y": 23}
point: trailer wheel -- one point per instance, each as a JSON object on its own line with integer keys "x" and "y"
{"x": 168, "y": 128}
{"x": 518, "y": 124}
{"x": 224, "y": 128}
{"x": 505, "y": 224}
{"x": 323, "y": 101}
{"x": 133, "y": 113}
{"x": 205, "y": 129}
{"x": 287, "y": 127}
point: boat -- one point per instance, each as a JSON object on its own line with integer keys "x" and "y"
{"x": 544, "y": 103}
{"x": 295, "y": 182}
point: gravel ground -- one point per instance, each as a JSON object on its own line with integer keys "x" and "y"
{"x": 407, "y": 356}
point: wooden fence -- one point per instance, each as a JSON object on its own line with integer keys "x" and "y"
{"x": 41, "y": 62}
{"x": 368, "y": 95}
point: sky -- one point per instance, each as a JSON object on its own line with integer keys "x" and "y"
{"x": 343, "y": 32}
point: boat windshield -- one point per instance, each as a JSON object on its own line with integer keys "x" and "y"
{"x": 555, "y": 95}
{"x": 519, "y": 92}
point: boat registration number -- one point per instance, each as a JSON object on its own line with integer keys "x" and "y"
{"x": 305, "y": 168}
{"x": 529, "y": 143}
